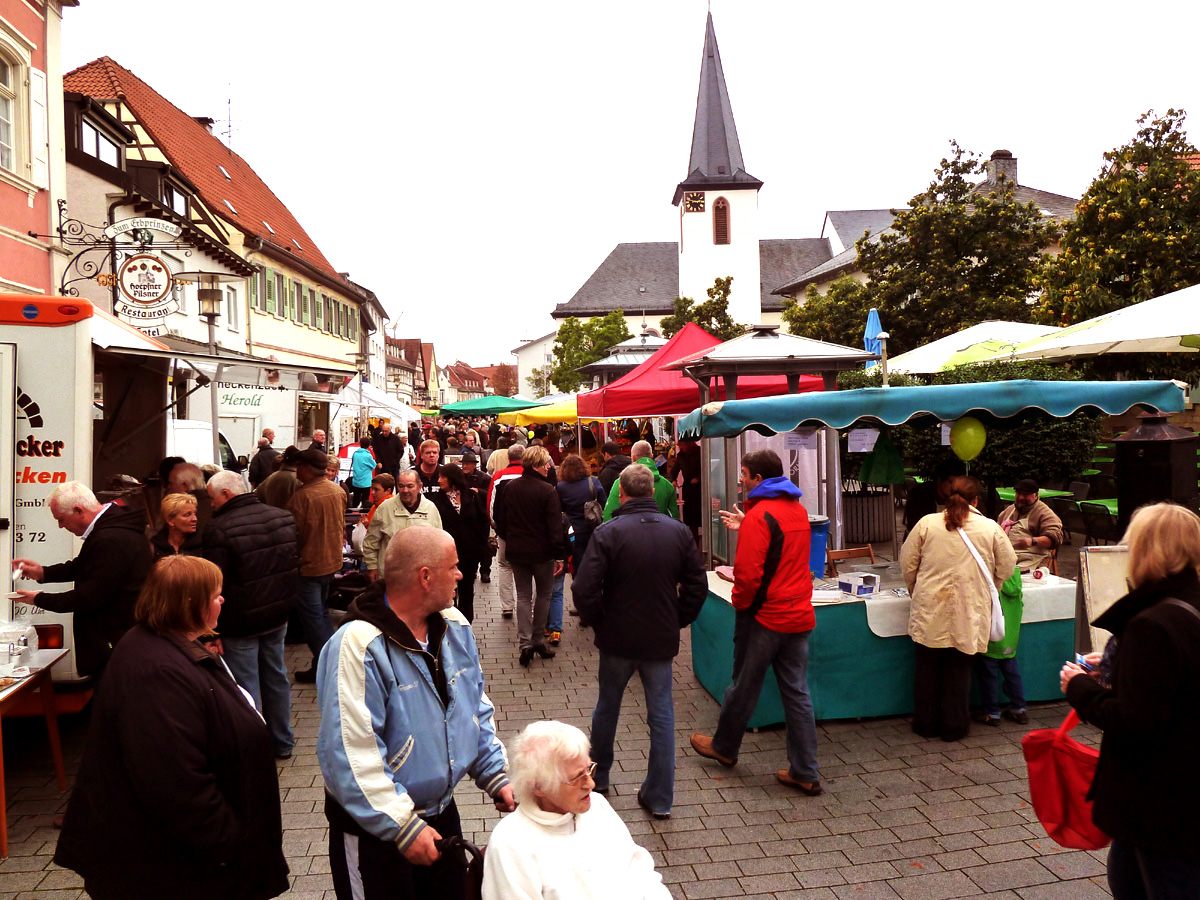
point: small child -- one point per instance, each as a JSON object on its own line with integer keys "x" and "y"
{"x": 1000, "y": 662}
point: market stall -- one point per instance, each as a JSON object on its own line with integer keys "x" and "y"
{"x": 862, "y": 643}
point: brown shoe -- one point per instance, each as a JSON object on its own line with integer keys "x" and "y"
{"x": 813, "y": 788}
{"x": 702, "y": 744}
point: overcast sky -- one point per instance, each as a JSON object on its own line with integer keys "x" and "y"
{"x": 474, "y": 162}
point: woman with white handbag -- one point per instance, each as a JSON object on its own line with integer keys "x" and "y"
{"x": 953, "y": 563}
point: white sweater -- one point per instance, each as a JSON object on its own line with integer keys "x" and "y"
{"x": 536, "y": 854}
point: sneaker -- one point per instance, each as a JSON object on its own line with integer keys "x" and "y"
{"x": 507, "y": 613}
{"x": 307, "y": 676}
{"x": 486, "y": 579}
{"x": 984, "y": 719}
{"x": 1016, "y": 715}
{"x": 554, "y": 637}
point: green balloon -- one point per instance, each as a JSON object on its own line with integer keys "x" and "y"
{"x": 967, "y": 437}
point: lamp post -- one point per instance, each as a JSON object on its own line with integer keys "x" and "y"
{"x": 209, "y": 294}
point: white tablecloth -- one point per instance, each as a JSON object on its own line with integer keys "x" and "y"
{"x": 887, "y": 613}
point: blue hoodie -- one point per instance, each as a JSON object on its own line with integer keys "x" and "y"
{"x": 775, "y": 487}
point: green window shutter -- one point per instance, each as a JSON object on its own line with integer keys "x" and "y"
{"x": 319, "y": 310}
{"x": 293, "y": 289}
{"x": 270, "y": 278}
{"x": 305, "y": 309}
{"x": 330, "y": 316}
{"x": 252, "y": 288}
{"x": 344, "y": 319}
{"x": 354, "y": 323}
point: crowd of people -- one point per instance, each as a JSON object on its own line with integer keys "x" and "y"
{"x": 182, "y": 626}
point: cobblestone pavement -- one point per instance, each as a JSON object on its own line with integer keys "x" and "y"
{"x": 902, "y": 817}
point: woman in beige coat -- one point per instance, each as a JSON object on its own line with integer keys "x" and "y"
{"x": 951, "y": 611}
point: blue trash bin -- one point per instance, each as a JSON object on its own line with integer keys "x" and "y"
{"x": 819, "y": 541}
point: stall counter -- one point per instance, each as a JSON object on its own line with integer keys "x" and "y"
{"x": 853, "y": 672}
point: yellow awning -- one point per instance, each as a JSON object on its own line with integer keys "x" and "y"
{"x": 562, "y": 411}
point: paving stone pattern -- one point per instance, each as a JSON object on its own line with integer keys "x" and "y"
{"x": 902, "y": 817}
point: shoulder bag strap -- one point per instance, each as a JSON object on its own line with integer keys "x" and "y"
{"x": 987, "y": 576}
{"x": 1175, "y": 601}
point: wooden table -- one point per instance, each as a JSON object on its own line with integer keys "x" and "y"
{"x": 43, "y": 662}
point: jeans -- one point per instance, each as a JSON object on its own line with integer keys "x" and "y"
{"x": 658, "y": 789}
{"x": 1135, "y": 873}
{"x": 989, "y": 671}
{"x": 311, "y": 595}
{"x": 554, "y": 617}
{"x": 257, "y": 664}
{"x": 754, "y": 648}
{"x": 504, "y": 577}
{"x": 532, "y": 609}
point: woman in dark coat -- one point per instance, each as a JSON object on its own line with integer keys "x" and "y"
{"x": 576, "y": 487}
{"x": 179, "y": 533}
{"x": 1144, "y": 697}
{"x": 177, "y": 795}
{"x": 464, "y": 519}
{"x": 687, "y": 463}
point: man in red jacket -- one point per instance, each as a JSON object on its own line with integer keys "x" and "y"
{"x": 772, "y": 593}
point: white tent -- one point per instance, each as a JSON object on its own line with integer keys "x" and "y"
{"x": 1166, "y": 324}
{"x": 362, "y": 394}
{"x": 985, "y": 340}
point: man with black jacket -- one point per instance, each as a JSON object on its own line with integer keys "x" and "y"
{"x": 388, "y": 450}
{"x": 108, "y": 572}
{"x": 254, "y": 545}
{"x": 614, "y": 464}
{"x": 640, "y": 582}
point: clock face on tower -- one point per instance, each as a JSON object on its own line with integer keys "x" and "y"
{"x": 693, "y": 201}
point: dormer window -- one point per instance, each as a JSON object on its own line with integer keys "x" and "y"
{"x": 297, "y": 243}
{"x": 269, "y": 228}
{"x": 97, "y": 144}
{"x": 230, "y": 205}
{"x": 175, "y": 200}
{"x": 223, "y": 172}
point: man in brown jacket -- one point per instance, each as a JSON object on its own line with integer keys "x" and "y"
{"x": 319, "y": 508}
{"x": 1032, "y": 526}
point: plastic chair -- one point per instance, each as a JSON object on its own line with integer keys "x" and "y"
{"x": 1079, "y": 490}
{"x": 1072, "y": 519}
{"x": 832, "y": 556}
{"x": 1100, "y": 523}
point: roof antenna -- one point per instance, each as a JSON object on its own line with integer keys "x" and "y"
{"x": 228, "y": 132}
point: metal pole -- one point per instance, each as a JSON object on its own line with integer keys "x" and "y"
{"x": 212, "y": 392}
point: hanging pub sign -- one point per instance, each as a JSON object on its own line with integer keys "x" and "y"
{"x": 145, "y": 287}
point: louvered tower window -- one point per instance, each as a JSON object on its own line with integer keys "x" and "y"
{"x": 721, "y": 221}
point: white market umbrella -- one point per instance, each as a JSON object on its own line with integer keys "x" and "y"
{"x": 1166, "y": 324}
{"x": 985, "y": 341}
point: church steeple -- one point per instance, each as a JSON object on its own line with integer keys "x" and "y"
{"x": 716, "y": 158}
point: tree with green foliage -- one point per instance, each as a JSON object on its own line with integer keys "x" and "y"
{"x": 838, "y": 316}
{"x": 539, "y": 381}
{"x": 504, "y": 381}
{"x": 712, "y": 315}
{"x": 580, "y": 343}
{"x": 1136, "y": 231}
{"x": 961, "y": 253}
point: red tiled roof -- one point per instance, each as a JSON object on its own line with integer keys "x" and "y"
{"x": 1192, "y": 159}
{"x": 196, "y": 153}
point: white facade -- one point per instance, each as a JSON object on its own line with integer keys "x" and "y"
{"x": 702, "y": 260}
{"x": 535, "y": 354}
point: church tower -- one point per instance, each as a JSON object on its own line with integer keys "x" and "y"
{"x": 718, "y": 200}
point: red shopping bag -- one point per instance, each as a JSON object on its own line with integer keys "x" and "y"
{"x": 1060, "y": 774}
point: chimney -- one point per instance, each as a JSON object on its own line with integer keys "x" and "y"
{"x": 1002, "y": 163}
{"x": 206, "y": 122}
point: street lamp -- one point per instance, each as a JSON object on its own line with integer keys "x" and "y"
{"x": 209, "y": 293}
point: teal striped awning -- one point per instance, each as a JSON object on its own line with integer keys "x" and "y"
{"x": 942, "y": 402}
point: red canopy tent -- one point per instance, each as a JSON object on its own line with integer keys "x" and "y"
{"x": 650, "y": 391}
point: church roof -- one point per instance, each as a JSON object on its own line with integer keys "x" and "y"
{"x": 716, "y": 158}
{"x": 617, "y": 283}
{"x": 849, "y": 224}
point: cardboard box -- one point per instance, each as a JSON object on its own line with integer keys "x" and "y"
{"x": 858, "y": 585}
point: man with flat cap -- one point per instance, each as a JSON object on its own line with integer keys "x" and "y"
{"x": 319, "y": 508}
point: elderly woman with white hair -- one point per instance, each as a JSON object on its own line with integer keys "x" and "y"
{"x": 563, "y": 840}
